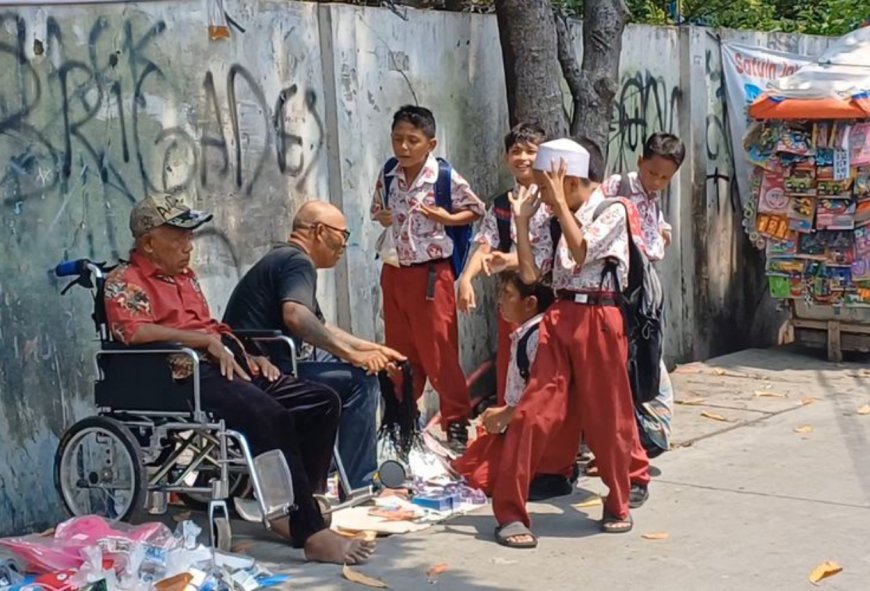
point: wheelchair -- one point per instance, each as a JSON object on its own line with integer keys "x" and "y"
{"x": 150, "y": 438}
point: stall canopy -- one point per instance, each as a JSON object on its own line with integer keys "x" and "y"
{"x": 834, "y": 86}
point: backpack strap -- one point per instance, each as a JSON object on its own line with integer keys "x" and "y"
{"x": 501, "y": 208}
{"x": 443, "y": 186}
{"x": 523, "y": 362}
{"x": 624, "y": 189}
{"x": 388, "y": 179}
{"x": 611, "y": 264}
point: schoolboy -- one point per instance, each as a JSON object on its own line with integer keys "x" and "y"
{"x": 523, "y": 306}
{"x": 496, "y": 250}
{"x": 663, "y": 154}
{"x": 582, "y": 355}
{"x": 420, "y": 319}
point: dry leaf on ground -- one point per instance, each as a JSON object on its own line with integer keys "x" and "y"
{"x": 825, "y": 570}
{"x": 714, "y": 416}
{"x": 434, "y": 571}
{"x": 500, "y": 560}
{"x": 692, "y": 401}
{"x": 361, "y": 579}
{"x": 719, "y": 371}
{"x": 807, "y": 400}
{"x": 662, "y": 535}
{"x": 770, "y": 394}
{"x": 804, "y": 429}
{"x": 592, "y": 501}
{"x": 864, "y": 410}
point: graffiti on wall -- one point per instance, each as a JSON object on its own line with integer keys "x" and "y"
{"x": 111, "y": 118}
{"x": 644, "y": 105}
{"x": 721, "y": 183}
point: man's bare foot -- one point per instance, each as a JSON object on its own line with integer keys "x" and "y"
{"x": 328, "y": 546}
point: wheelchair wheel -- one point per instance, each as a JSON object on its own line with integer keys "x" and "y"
{"x": 98, "y": 470}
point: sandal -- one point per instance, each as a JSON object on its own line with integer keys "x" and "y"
{"x": 504, "y": 533}
{"x": 611, "y": 524}
{"x": 591, "y": 469}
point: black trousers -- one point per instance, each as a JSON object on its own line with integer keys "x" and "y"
{"x": 299, "y": 418}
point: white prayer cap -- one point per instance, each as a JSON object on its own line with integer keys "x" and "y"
{"x": 575, "y": 156}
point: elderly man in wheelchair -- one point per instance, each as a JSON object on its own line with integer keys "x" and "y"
{"x": 186, "y": 398}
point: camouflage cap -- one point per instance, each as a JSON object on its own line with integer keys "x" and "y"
{"x": 153, "y": 212}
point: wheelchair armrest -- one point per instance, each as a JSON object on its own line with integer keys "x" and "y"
{"x": 257, "y": 334}
{"x": 116, "y": 346}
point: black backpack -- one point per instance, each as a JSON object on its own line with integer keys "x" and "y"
{"x": 524, "y": 364}
{"x": 642, "y": 305}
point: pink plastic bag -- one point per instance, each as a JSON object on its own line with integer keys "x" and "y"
{"x": 63, "y": 551}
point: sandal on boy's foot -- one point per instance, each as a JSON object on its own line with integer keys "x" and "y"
{"x": 457, "y": 436}
{"x": 638, "y": 496}
{"x": 515, "y": 529}
{"x": 591, "y": 469}
{"x": 611, "y": 524}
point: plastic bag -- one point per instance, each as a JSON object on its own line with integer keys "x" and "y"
{"x": 386, "y": 248}
{"x": 64, "y": 550}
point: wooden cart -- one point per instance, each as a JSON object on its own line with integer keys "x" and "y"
{"x": 837, "y": 329}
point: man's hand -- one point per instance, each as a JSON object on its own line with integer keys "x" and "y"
{"x": 465, "y": 302}
{"x": 385, "y": 217}
{"x": 392, "y": 354}
{"x": 262, "y": 366}
{"x": 525, "y": 203}
{"x": 666, "y": 236}
{"x": 437, "y": 214}
{"x": 496, "y": 419}
{"x": 373, "y": 362}
{"x": 553, "y": 191}
{"x": 225, "y": 358}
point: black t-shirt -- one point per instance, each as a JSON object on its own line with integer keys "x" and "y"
{"x": 285, "y": 274}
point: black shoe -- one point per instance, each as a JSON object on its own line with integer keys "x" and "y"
{"x": 547, "y": 486}
{"x": 457, "y": 436}
{"x": 638, "y": 496}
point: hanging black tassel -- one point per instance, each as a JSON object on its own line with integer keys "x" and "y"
{"x": 400, "y": 424}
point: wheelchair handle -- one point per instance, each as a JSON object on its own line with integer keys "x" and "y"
{"x": 78, "y": 267}
{"x": 70, "y": 268}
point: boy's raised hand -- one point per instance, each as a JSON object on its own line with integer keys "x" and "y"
{"x": 525, "y": 203}
{"x": 553, "y": 191}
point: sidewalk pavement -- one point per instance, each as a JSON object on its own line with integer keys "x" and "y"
{"x": 769, "y": 478}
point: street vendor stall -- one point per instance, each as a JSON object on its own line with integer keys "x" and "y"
{"x": 810, "y": 207}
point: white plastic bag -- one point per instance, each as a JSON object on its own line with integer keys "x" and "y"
{"x": 386, "y": 248}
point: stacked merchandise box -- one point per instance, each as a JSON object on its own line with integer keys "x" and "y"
{"x": 811, "y": 196}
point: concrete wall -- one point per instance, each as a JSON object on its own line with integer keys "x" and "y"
{"x": 102, "y": 104}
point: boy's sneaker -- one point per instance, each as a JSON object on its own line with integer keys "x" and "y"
{"x": 457, "y": 436}
{"x": 638, "y": 495}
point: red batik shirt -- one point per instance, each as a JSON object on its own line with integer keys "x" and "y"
{"x": 137, "y": 293}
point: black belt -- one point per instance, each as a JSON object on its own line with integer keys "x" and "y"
{"x": 587, "y": 298}
{"x": 426, "y": 264}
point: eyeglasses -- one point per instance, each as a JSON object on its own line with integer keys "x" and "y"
{"x": 345, "y": 234}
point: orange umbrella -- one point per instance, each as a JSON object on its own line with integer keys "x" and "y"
{"x": 772, "y": 107}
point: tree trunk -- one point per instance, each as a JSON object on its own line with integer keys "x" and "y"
{"x": 529, "y": 52}
{"x": 603, "y": 24}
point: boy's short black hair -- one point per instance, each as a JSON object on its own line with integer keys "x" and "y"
{"x": 665, "y": 145}
{"x": 543, "y": 293}
{"x": 420, "y": 117}
{"x": 524, "y": 133}
{"x": 596, "y": 159}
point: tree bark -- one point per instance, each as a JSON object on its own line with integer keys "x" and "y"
{"x": 598, "y": 81}
{"x": 527, "y": 33}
